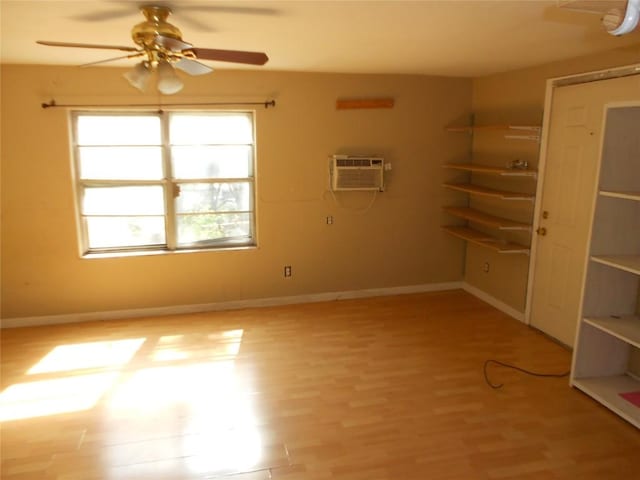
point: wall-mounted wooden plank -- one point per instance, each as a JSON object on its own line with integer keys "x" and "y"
{"x": 349, "y": 104}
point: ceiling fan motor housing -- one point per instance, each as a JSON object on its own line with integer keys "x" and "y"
{"x": 145, "y": 33}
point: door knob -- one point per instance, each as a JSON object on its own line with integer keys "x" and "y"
{"x": 541, "y": 231}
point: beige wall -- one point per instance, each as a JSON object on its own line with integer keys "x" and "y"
{"x": 398, "y": 242}
{"x": 518, "y": 97}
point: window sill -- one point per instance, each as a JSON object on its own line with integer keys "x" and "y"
{"x": 142, "y": 253}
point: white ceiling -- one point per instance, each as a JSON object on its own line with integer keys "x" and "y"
{"x": 433, "y": 37}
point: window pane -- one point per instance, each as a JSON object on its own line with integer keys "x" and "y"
{"x": 118, "y": 130}
{"x": 214, "y": 197}
{"x": 109, "y": 232}
{"x": 232, "y": 227}
{"x": 212, "y": 162}
{"x": 123, "y": 178}
{"x": 121, "y": 163}
{"x": 144, "y": 200}
{"x": 209, "y": 129}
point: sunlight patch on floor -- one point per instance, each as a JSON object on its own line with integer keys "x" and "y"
{"x": 210, "y": 399}
{"x": 65, "y": 358}
{"x": 195, "y": 384}
{"x": 55, "y": 396}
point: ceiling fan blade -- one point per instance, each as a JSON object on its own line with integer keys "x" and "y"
{"x": 236, "y": 56}
{"x": 194, "y": 21}
{"x": 104, "y": 15}
{"x": 172, "y": 44}
{"x": 87, "y": 45}
{"x": 227, "y": 9}
{"x": 192, "y": 67}
{"x": 121, "y": 9}
{"x": 133, "y": 55}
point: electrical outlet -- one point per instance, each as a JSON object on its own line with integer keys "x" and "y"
{"x": 330, "y": 220}
{"x": 485, "y": 267}
{"x": 287, "y": 270}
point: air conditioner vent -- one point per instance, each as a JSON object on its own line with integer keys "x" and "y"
{"x": 356, "y": 173}
{"x": 353, "y": 162}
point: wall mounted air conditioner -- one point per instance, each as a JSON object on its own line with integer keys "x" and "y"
{"x": 351, "y": 172}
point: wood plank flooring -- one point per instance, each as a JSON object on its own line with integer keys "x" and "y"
{"x": 376, "y": 389}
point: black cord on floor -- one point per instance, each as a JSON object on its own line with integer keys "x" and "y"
{"x": 507, "y": 365}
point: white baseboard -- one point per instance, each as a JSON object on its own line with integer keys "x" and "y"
{"x": 494, "y": 302}
{"x": 231, "y": 305}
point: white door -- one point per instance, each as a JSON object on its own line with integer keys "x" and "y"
{"x": 573, "y": 155}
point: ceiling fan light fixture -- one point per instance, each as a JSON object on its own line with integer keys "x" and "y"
{"x": 139, "y": 76}
{"x": 168, "y": 81}
{"x": 162, "y": 47}
{"x": 617, "y": 24}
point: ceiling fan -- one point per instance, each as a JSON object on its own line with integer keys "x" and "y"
{"x": 161, "y": 47}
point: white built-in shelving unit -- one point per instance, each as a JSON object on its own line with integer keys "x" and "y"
{"x": 608, "y": 336}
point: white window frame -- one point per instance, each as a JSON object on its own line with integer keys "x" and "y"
{"x": 170, "y": 185}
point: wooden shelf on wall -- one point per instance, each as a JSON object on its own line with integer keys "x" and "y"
{"x": 484, "y": 240}
{"x": 474, "y": 128}
{"x": 502, "y": 171}
{"x": 516, "y": 132}
{"x": 488, "y": 192}
{"x": 482, "y": 218}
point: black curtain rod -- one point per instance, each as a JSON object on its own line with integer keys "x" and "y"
{"x": 266, "y": 104}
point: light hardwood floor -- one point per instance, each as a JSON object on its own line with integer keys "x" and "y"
{"x": 375, "y": 389}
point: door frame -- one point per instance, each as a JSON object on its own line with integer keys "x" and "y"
{"x": 552, "y": 84}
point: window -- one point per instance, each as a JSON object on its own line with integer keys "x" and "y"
{"x": 169, "y": 181}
